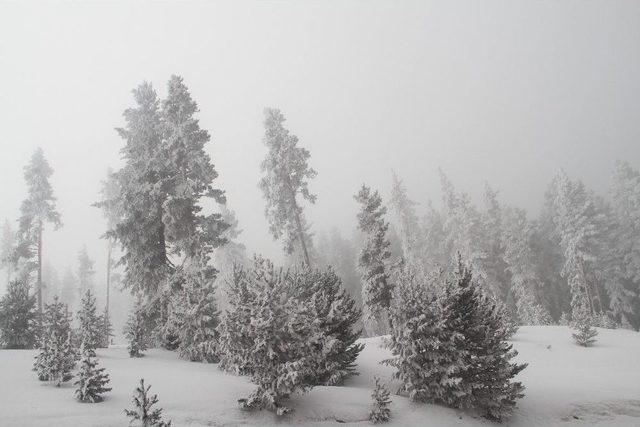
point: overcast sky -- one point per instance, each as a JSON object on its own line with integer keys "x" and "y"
{"x": 504, "y": 91}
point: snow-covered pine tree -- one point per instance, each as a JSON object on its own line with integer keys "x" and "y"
{"x": 90, "y": 324}
{"x": 336, "y": 315}
{"x": 235, "y": 336}
{"x": 85, "y": 272}
{"x": 482, "y": 370}
{"x": 56, "y": 359}
{"x": 341, "y": 254}
{"x": 194, "y": 316}
{"x": 422, "y": 351}
{"x": 374, "y": 260}
{"x": 37, "y": 209}
{"x": 411, "y": 234}
{"x": 135, "y": 330}
{"x": 282, "y": 340}
{"x": 106, "y": 329}
{"x": 585, "y": 332}
{"x": 7, "y": 246}
{"x": 18, "y": 325}
{"x": 380, "y": 413}
{"x": 227, "y": 256}
{"x": 92, "y": 381}
{"x": 520, "y": 261}
{"x": 142, "y": 411}
{"x": 165, "y": 180}
{"x": 286, "y": 175}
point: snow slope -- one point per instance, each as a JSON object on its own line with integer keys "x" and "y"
{"x": 566, "y": 385}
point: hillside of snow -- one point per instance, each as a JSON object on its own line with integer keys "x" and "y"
{"x": 565, "y": 385}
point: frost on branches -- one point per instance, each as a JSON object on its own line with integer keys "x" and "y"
{"x": 18, "y": 317}
{"x": 380, "y": 413}
{"x": 585, "y": 332}
{"x": 56, "y": 359}
{"x": 91, "y": 328}
{"x": 92, "y": 381}
{"x": 194, "y": 316}
{"x": 142, "y": 411}
{"x": 289, "y": 330}
{"x": 374, "y": 260}
{"x": 449, "y": 345}
{"x": 135, "y": 330}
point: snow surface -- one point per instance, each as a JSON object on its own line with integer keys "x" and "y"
{"x": 566, "y": 385}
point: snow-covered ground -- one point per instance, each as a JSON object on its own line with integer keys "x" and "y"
{"x": 566, "y": 385}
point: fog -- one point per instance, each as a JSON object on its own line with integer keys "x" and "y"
{"x": 507, "y": 91}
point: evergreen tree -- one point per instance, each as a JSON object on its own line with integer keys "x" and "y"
{"x": 521, "y": 264}
{"x": 106, "y": 329}
{"x": 90, "y": 329}
{"x": 85, "y": 272}
{"x": 166, "y": 178}
{"x": 411, "y": 234}
{"x": 37, "y": 209}
{"x": 69, "y": 288}
{"x": 7, "y": 247}
{"x": 341, "y": 255}
{"x": 56, "y": 359}
{"x": 235, "y": 330}
{"x": 286, "y": 175}
{"x": 336, "y": 315}
{"x": 50, "y": 282}
{"x": 482, "y": 371}
{"x": 374, "y": 259}
{"x": 381, "y": 413}
{"x": 17, "y": 317}
{"x": 142, "y": 411}
{"x": 282, "y": 339}
{"x": 194, "y": 317}
{"x": 135, "y": 330}
{"x": 585, "y": 332}
{"x": 112, "y": 211}
{"x": 92, "y": 381}
{"x": 421, "y": 347}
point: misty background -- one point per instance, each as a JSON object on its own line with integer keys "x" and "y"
{"x": 506, "y": 91}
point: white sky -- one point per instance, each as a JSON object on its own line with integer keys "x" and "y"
{"x": 504, "y": 91}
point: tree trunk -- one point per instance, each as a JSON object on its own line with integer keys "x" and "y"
{"x": 299, "y": 224}
{"x": 39, "y": 281}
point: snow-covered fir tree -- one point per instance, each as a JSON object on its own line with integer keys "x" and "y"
{"x": 92, "y": 380}
{"x": 482, "y": 369}
{"x": 85, "y": 272}
{"x": 105, "y": 329}
{"x": 341, "y": 254}
{"x": 585, "y": 332}
{"x": 380, "y": 413}
{"x": 336, "y": 315}
{"x": 521, "y": 264}
{"x": 18, "y": 325}
{"x": 7, "y": 247}
{"x": 166, "y": 178}
{"x": 281, "y": 346}
{"x": 90, "y": 324}
{"x": 286, "y": 175}
{"x": 69, "y": 288}
{"x": 422, "y": 351}
{"x": 56, "y": 359}
{"x": 411, "y": 234}
{"x": 374, "y": 260}
{"x": 135, "y": 330}
{"x": 36, "y": 210}
{"x": 194, "y": 316}
{"x": 235, "y": 330}
{"x": 142, "y": 413}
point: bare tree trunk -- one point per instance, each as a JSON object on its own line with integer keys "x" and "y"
{"x": 109, "y": 245}
{"x": 299, "y": 224}
{"x": 39, "y": 281}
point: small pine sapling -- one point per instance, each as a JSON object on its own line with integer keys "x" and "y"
{"x": 380, "y": 413}
{"x": 142, "y": 412}
{"x": 586, "y": 333}
{"x": 92, "y": 380}
{"x": 135, "y": 331}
